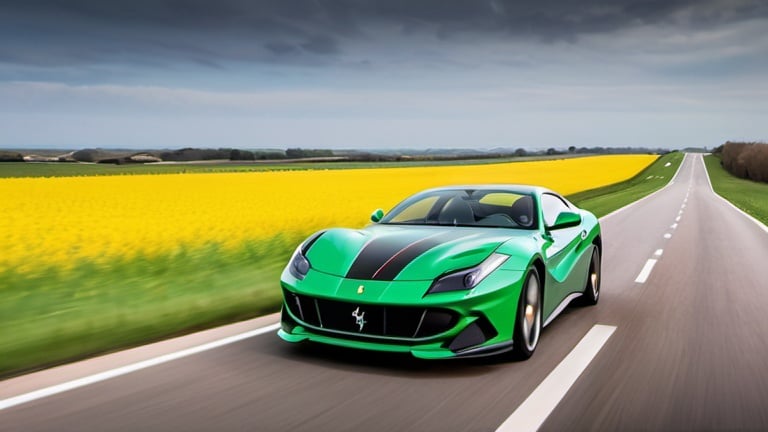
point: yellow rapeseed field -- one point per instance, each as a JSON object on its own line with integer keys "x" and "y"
{"x": 64, "y": 220}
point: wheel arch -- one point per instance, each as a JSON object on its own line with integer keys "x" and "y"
{"x": 598, "y": 242}
{"x": 538, "y": 264}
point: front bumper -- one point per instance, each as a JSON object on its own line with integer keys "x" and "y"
{"x": 400, "y": 317}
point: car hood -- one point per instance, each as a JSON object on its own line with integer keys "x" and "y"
{"x": 404, "y": 253}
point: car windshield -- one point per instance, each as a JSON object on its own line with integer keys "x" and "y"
{"x": 466, "y": 207}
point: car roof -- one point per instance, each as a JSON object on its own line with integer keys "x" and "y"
{"x": 518, "y": 188}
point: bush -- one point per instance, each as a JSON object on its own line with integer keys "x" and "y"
{"x": 85, "y": 155}
{"x": 268, "y": 155}
{"x": 11, "y": 157}
{"x": 746, "y": 160}
{"x": 299, "y": 153}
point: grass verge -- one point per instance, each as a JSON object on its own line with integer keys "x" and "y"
{"x": 604, "y": 200}
{"x": 58, "y": 316}
{"x": 748, "y": 195}
{"x": 61, "y": 169}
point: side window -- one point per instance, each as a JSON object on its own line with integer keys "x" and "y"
{"x": 417, "y": 211}
{"x": 551, "y": 206}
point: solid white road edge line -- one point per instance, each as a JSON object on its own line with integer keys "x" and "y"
{"x": 532, "y": 413}
{"x": 646, "y": 271}
{"x": 671, "y": 182}
{"x": 112, "y": 373}
{"x": 757, "y": 222}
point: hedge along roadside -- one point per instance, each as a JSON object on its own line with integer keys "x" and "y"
{"x": 750, "y": 196}
{"x": 746, "y": 160}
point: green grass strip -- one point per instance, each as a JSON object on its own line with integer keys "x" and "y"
{"x": 57, "y": 316}
{"x": 62, "y": 169}
{"x": 604, "y": 200}
{"x": 748, "y": 195}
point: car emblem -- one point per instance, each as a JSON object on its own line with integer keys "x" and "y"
{"x": 360, "y": 289}
{"x": 359, "y": 318}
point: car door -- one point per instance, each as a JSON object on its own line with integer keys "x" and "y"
{"x": 561, "y": 252}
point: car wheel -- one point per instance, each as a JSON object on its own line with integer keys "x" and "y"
{"x": 528, "y": 319}
{"x": 592, "y": 287}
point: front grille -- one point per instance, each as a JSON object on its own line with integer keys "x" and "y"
{"x": 405, "y": 322}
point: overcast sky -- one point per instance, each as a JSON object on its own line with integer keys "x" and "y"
{"x": 382, "y": 73}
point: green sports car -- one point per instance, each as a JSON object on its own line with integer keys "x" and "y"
{"x": 450, "y": 272}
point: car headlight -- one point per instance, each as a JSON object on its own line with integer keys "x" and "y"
{"x": 299, "y": 265}
{"x": 468, "y": 278}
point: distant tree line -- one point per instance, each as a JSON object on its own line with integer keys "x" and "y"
{"x": 299, "y": 153}
{"x": 193, "y": 154}
{"x": 449, "y": 154}
{"x": 11, "y": 157}
{"x": 189, "y": 154}
{"x": 196, "y": 154}
{"x": 747, "y": 160}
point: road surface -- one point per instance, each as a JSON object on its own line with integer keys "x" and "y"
{"x": 689, "y": 352}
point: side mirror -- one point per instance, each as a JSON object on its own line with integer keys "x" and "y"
{"x": 377, "y": 215}
{"x": 566, "y": 220}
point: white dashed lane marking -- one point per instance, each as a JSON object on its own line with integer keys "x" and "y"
{"x": 646, "y": 271}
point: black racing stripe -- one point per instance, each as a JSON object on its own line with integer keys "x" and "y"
{"x": 375, "y": 254}
{"x": 392, "y": 268}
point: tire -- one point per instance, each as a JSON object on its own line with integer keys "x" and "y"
{"x": 528, "y": 317}
{"x": 592, "y": 286}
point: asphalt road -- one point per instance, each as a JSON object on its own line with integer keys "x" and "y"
{"x": 690, "y": 352}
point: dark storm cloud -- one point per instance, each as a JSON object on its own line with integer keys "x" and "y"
{"x": 52, "y": 32}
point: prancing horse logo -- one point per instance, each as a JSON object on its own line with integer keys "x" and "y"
{"x": 359, "y": 318}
